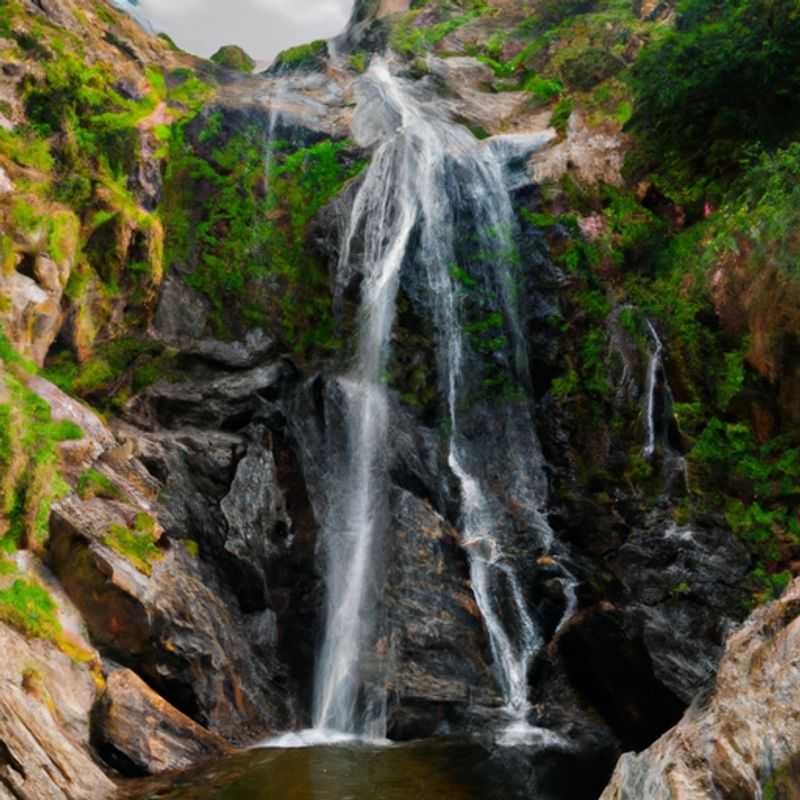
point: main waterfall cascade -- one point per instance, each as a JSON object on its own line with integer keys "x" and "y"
{"x": 434, "y": 212}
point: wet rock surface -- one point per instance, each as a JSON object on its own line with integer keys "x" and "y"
{"x": 643, "y": 649}
{"x": 436, "y": 643}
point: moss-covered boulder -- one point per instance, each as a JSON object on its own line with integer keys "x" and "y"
{"x": 233, "y": 57}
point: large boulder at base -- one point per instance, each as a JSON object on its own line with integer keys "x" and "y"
{"x": 641, "y": 654}
{"x": 141, "y": 733}
{"x": 732, "y": 743}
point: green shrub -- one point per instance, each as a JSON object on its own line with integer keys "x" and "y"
{"x": 94, "y": 484}
{"x": 30, "y": 439}
{"x": 590, "y": 67}
{"x": 726, "y": 76}
{"x": 304, "y": 56}
{"x": 246, "y": 236}
{"x": 359, "y": 60}
{"x": 543, "y": 90}
{"x": 561, "y": 114}
{"x": 412, "y": 40}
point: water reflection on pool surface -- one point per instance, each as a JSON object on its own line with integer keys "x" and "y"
{"x": 437, "y": 769}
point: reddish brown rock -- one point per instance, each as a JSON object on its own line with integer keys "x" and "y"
{"x": 151, "y": 736}
{"x": 748, "y": 729}
{"x": 45, "y": 702}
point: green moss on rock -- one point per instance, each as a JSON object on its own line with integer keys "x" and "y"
{"x": 234, "y": 58}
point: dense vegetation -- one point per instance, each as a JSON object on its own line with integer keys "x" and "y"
{"x": 247, "y": 232}
{"x": 724, "y": 81}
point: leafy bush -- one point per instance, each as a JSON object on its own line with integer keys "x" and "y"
{"x": 29, "y": 457}
{"x": 590, "y": 67}
{"x": 94, "y": 484}
{"x": 727, "y": 76}
{"x": 304, "y": 56}
{"x": 543, "y": 89}
{"x": 412, "y": 40}
{"x": 247, "y": 240}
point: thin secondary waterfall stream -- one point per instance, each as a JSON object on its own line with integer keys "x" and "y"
{"x": 430, "y": 183}
{"x": 651, "y": 388}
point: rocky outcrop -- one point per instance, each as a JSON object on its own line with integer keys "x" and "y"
{"x": 164, "y": 618}
{"x": 589, "y": 154}
{"x": 232, "y": 482}
{"x": 141, "y": 734}
{"x": 222, "y": 401}
{"x": 654, "y": 9}
{"x": 33, "y": 289}
{"x": 645, "y": 648}
{"x": 732, "y": 741}
{"x": 45, "y": 702}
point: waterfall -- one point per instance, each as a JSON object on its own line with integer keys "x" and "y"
{"x": 386, "y": 207}
{"x": 651, "y": 388}
{"x": 429, "y": 188}
{"x": 658, "y": 420}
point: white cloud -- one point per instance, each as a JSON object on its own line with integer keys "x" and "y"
{"x": 263, "y": 27}
{"x": 307, "y": 11}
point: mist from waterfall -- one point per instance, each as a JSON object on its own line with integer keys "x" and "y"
{"x": 429, "y": 180}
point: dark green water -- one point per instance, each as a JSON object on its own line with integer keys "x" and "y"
{"x": 430, "y": 770}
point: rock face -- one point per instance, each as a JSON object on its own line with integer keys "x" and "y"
{"x": 233, "y": 483}
{"x": 135, "y": 726}
{"x": 169, "y": 624}
{"x": 591, "y": 155}
{"x": 436, "y": 643}
{"x": 33, "y": 315}
{"x": 642, "y": 652}
{"x": 45, "y": 702}
{"x": 734, "y": 741}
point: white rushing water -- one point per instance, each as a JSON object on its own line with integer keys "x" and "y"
{"x": 426, "y": 177}
{"x": 651, "y": 388}
{"x": 387, "y": 207}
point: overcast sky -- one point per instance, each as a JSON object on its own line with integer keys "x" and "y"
{"x": 261, "y": 27}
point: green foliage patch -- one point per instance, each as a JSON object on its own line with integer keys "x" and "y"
{"x": 727, "y": 76}
{"x": 28, "y": 606}
{"x": 94, "y": 484}
{"x": 137, "y": 544}
{"x": 247, "y": 237}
